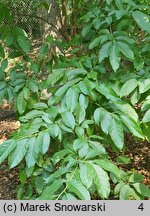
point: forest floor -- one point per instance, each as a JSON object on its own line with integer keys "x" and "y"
{"x": 139, "y": 152}
{"x": 8, "y": 178}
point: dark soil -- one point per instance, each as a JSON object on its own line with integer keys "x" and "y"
{"x": 8, "y": 182}
{"x": 139, "y": 153}
{"x": 8, "y": 178}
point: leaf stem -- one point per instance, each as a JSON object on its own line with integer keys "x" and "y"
{"x": 68, "y": 182}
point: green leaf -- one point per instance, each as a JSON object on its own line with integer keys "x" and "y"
{"x": 40, "y": 105}
{"x": 2, "y": 93}
{"x": 92, "y": 75}
{"x": 50, "y": 190}
{"x": 116, "y": 133}
{"x": 76, "y": 72}
{"x": 71, "y": 98}
{"x": 18, "y": 153}
{"x": 128, "y": 193}
{"x": 71, "y": 162}
{"x": 118, "y": 188}
{"x": 65, "y": 87}
{"x": 106, "y": 121}
{"x": 138, "y": 63}
{"x": 98, "y": 147}
{"x": 34, "y": 67}
{"x": 56, "y": 174}
{"x": 69, "y": 196}
{"x": 20, "y": 193}
{"x": 106, "y": 90}
{"x": 83, "y": 101}
{"x": 109, "y": 166}
{"x": 9, "y": 94}
{"x": 98, "y": 114}
{"x": 26, "y": 93}
{"x": 135, "y": 96}
{"x": 122, "y": 159}
{"x": 4, "y": 64}
{"x": 14, "y": 54}
{"x": 142, "y": 20}
{"x": 68, "y": 119}
{"x": 86, "y": 30}
{"x": 6, "y": 148}
{"x": 20, "y": 75}
{"x": 119, "y": 4}
{"x": 142, "y": 189}
{"x": 32, "y": 152}
{"x": 146, "y": 117}
{"x": 85, "y": 86}
{"x": 43, "y": 51}
{"x": 60, "y": 155}
{"x": 125, "y": 192}
{"x": 43, "y": 141}
{"x": 125, "y": 49}
{"x": 128, "y": 87}
{"x": 53, "y": 130}
{"x": 85, "y": 175}
{"x": 54, "y": 100}
{"x": 21, "y": 103}
{"x": 39, "y": 184}
{"x": 101, "y": 180}
{"x": 33, "y": 114}
{"x": 114, "y": 57}
{"x": 78, "y": 188}
{"x": 80, "y": 114}
{"x": 2, "y": 85}
{"x": 136, "y": 177}
{"x": 104, "y": 51}
{"x": 19, "y": 87}
{"x": 65, "y": 128}
{"x": 91, "y": 154}
{"x": 125, "y": 38}
{"x": 83, "y": 150}
{"x": 132, "y": 126}
{"x": 109, "y": 2}
{"x": 97, "y": 23}
{"x": 146, "y": 131}
{"x": 78, "y": 143}
{"x": 86, "y": 124}
{"x": 24, "y": 43}
{"x": 22, "y": 176}
{"x": 2, "y": 53}
{"x": 95, "y": 42}
{"x": 146, "y": 104}
{"x": 144, "y": 85}
{"x": 19, "y": 81}
{"x": 2, "y": 75}
{"x": 55, "y": 76}
{"x": 32, "y": 86}
{"x": 126, "y": 109}
{"x": 79, "y": 131}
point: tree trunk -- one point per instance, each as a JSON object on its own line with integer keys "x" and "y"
{"x": 56, "y": 20}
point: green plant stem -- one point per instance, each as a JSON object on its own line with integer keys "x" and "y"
{"x": 67, "y": 183}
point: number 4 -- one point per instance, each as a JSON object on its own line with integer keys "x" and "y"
{"x": 141, "y": 207}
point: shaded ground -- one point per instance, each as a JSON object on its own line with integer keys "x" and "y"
{"x": 8, "y": 179}
{"x": 139, "y": 153}
{"x": 8, "y": 182}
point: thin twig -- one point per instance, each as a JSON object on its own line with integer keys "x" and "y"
{"x": 68, "y": 182}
